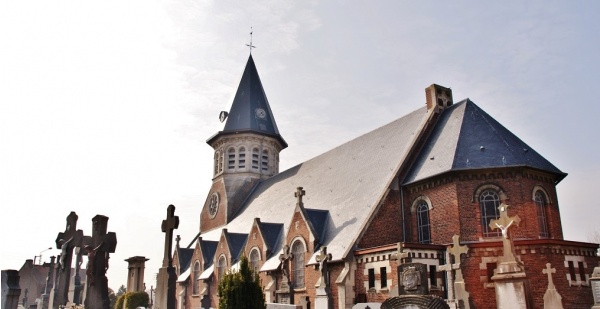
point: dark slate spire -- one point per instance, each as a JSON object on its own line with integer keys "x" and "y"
{"x": 250, "y": 110}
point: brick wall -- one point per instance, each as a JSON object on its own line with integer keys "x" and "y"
{"x": 206, "y": 223}
{"x": 386, "y": 226}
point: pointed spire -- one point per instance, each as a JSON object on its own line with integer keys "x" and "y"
{"x": 250, "y": 110}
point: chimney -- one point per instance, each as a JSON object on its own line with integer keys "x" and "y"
{"x": 438, "y": 98}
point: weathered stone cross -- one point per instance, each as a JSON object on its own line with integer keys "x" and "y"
{"x": 456, "y": 251}
{"x": 66, "y": 241}
{"x": 503, "y": 223}
{"x": 168, "y": 225}
{"x": 549, "y": 271}
{"x": 323, "y": 258}
{"x": 401, "y": 255}
{"x": 299, "y": 193}
{"x": 98, "y": 252}
{"x": 284, "y": 258}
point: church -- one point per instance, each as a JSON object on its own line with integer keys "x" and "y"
{"x": 406, "y": 191}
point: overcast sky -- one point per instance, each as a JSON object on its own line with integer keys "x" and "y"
{"x": 105, "y": 107}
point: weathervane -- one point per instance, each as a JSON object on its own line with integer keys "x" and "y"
{"x": 250, "y": 45}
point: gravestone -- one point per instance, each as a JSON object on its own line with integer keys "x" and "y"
{"x": 595, "y": 283}
{"x": 323, "y": 297}
{"x": 54, "y": 290}
{"x": 552, "y": 300}
{"x": 45, "y": 298}
{"x": 65, "y": 241}
{"x": 166, "y": 280}
{"x": 509, "y": 277}
{"x": 285, "y": 293}
{"x": 456, "y": 287}
{"x": 414, "y": 290}
{"x": 98, "y": 248}
{"x": 75, "y": 287}
{"x": 135, "y": 275}
{"x": 10, "y": 289}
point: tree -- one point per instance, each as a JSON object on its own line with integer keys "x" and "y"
{"x": 112, "y": 297}
{"x": 121, "y": 290}
{"x": 242, "y": 289}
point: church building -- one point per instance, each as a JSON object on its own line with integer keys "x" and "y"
{"x": 442, "y": 170}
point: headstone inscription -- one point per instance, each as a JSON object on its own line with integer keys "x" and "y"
{"x": 66, "y": 241}
{"x": 595, "y": 283}
{"x": 98, "y": 250}
{"x": 552, "y": 300}
{"x": 166, "y": 281}
{"x": 414, "y": 290}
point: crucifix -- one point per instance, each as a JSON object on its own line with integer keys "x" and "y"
{"x": 323, "y": 258}
{"x": 549, "y": 271}
{"x": 286, "y": 294}
{"x": 298, "y": 194}
{"x": 98, "y": 248}
{"x": 168, "y": 225}
{"x": 250, "y": 45}
{"x": 503, "y": 223}
{"x": 66, "y": 241}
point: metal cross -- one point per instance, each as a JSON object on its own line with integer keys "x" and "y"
{"x": 250, "y": 45}
{"x": 549, "y": 271}
{"x": 299, "y": 193}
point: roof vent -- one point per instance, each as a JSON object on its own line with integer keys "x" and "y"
{"x": 438, "y": 97}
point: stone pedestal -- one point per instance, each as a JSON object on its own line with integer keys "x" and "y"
{"x": 10, "y": 289}
{"x": 322, "y": 299}
{"x": 462, "y": 296}
{"x": 511, "y": 288}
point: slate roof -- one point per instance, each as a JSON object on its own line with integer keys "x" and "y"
{"x": 271, "y": 233}
{"x": 348, "y": 181}
{"x": 208, "y": 251}
{"x": 249, "y": 98}
{"x": 185, "y": 258}
{"x": 236, "y": 242}
{"x": 466, "y": 137}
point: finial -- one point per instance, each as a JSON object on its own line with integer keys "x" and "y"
{"x": 250, "y": 45}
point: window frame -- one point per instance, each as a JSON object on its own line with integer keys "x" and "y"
{"x": 488, "y": 199}
{"x": 298, "y": 267}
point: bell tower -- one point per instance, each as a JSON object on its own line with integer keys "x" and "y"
{"x": 245, "y": 151}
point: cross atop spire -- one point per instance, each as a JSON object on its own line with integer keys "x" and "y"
{"x": 250, "y": 45}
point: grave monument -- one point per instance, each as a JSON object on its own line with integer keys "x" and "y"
{"x": 65, "y": 241}
{"x": 509, "y": 276}
{"x": 552, "y": 300}
{"x": 166, "y": 280}
{"x": 595, "y": 283}
{"x": 413, "y": 289}
{"x": 98, "y": 248}
{"x": 456, "y": 284}
{"x": 285, "y": 294}
{"x": 323, "y": 297}
{"x": 10, "y": 289}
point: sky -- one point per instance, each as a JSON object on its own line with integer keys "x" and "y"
{"x": 105, "y": 107}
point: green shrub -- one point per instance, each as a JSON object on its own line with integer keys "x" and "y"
{"x": 132, "y": 300}
{"x": 241, "y": 290}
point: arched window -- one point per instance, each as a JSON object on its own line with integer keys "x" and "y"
{"x": 265, "y": 160}
{"x": 489, "y": 201}
{"x": 255, "y": 158}
{"x": 242, "y": 158}
{"x": 255, "y": 261}
{"x": 298, "y": 264}
{"x": 231, "y": 158}
{"x": 541, "y": 203}
{"x": 221, "y": 267}
{"x": 423, "y": 227}
{"x": 196, "y": 279}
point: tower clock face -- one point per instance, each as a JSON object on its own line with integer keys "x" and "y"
{"x": 260, "y": 113}
{"x": 213, "y": 205}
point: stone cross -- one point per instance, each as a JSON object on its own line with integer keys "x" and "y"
{"x": 285, "y": 257}
{"x": 549, "y": 271}
{"x": 323, "y": 258}
{"x": 456, "y": 251}
{"x": 503, "y": 223}
{"x": 168, "y": 225}
{"x": 299, "y": 193}
{"x": 98, "y": 248}
{"x": 66, "y": 241}
{"x": 177, "y": 239}
{"x": 401, "y": 255}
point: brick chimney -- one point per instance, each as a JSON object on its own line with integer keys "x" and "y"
{"x": 438, "y": 97}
